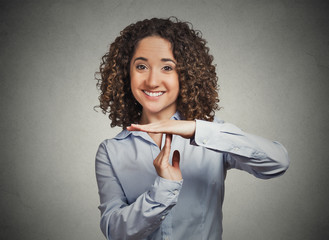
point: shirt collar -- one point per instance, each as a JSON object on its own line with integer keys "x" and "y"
{"x": 177, "y": 116}
{"x": 125, "y": 133}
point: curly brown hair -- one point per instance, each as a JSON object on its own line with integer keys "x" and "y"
{"x": 198, "y": 95}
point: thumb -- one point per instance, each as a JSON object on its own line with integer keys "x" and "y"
{"x": 176, "y": 159}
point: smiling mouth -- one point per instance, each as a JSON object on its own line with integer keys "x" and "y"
{"x": 153, "y": 94}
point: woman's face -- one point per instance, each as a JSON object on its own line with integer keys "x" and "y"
{"x": 154, "y": 80}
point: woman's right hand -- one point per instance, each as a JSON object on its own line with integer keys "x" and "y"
{"x": 162, "y": 165}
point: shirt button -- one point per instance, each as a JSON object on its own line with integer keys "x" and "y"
{"x": 235, "y": 149}
{"x": 163, "y": 217}
{"x": 175, "y": 192}
{"x": 204, "y": 141}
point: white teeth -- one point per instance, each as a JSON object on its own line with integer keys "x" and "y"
{"x": 153, "y": 94}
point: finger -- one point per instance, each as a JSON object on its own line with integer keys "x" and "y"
{"x": 165, "y": 151}
{"x": 169, "y": 137}
{"x": 136, "y": 127}
{"x": 158, "y": 127}
{"x": 167, "y": 145}
{"x": 158, "y": 159}
{"x": 185, "y": 129}
{"x": 163, "y": 156}
{"x": 176, "y": 159}
{"x": 132, "y": 128}
{"x": 140, "y": 127}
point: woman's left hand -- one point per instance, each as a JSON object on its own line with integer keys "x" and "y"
{"x": 185, "y": 129}
{"x": 162, "y": 164}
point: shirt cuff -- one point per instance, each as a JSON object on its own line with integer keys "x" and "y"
{"x": 165, "y": 191}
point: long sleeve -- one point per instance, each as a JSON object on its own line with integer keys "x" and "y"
{"x": 120, "y": 220}
{"x": 258, "y": 156}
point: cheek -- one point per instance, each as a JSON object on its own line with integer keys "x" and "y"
{"x": 134, "y": 86}
{"x": 133, "y": 81}
{"x": 175, "y": 84}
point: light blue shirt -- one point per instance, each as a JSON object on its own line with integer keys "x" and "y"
{"x": 136, "y": 203}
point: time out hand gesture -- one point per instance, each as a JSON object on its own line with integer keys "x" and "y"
{"x": 162, "y": 165}
{"x": 185, "y": 129}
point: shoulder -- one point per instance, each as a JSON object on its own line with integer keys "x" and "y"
{"x": 121, "y": 137}
{"x": 217, "y": 120}
{"x": 110, "y": 148}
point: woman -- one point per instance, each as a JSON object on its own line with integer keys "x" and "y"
{"x": 158, "y": 83}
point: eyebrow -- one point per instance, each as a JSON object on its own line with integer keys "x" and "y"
{"x": 162, "y": 60}
{"x": 167, "y": 60}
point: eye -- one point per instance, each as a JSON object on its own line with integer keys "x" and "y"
{"x": 141, "y": 67}
{"x": 167, "y": 68}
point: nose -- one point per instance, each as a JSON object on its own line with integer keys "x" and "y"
{"x": 152, "y": 80}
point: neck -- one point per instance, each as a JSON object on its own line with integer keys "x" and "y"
{"x": 152, "y": 117}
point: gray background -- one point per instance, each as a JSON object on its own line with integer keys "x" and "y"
{"x": 273, "y": 66}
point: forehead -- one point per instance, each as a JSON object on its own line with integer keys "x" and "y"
{"x": 154, "y": 46}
